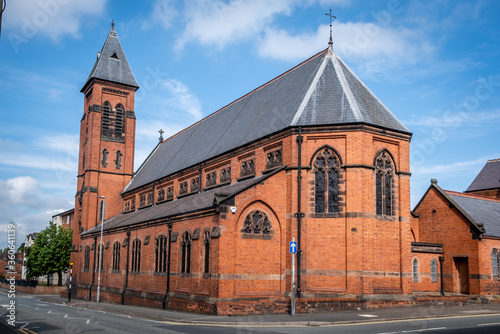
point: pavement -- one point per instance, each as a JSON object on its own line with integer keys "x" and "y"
{"x": 311, "y": 319}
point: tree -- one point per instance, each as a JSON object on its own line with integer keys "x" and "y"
{"x": 50, "y": 252}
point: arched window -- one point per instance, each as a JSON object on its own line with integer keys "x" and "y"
{"x": 186, "y": 253}
{"x": 384, "y": 174}
{"x": 86, "y": 260}
{"x": 494, "y": 262}
{"x": 136, "y": 255}
{"x": 105, "y": 122}
{"x": 161, "y": 254}
{"x": 257, "y": 223}
{"x": 116, "y": 256}
{"x": 206, "y": 243}
{"x": 326, "y": 181}
{"x": 119, "y": 121}
{"x": 434, "y": 270}
{"x": 104, "y": 160}
{"x": 118, "y": 160}
{"x": 113, "y": 122}
{"x": 415, "y": 270}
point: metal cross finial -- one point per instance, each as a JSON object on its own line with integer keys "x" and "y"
{"x": 161, "y": 134}
{"x": 331, "y": 17}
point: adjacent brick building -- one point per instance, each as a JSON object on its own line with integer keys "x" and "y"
{"x": 205, "y": 223}
{"x": 461, "y": 230}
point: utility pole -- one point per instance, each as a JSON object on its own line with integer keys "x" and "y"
{"x": 100, "y": 251}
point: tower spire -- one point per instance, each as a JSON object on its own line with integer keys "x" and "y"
{"x": 330, "y": 42}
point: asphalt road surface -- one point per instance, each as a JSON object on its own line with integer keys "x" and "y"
{"x": 36, "y": 316}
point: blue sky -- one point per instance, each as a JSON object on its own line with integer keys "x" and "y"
{"x": 435, "y": 64}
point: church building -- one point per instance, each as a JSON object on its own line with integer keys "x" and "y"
{"x": 206, "y": 221}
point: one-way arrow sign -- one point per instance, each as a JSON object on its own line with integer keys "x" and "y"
{"x": 293, "y": 247}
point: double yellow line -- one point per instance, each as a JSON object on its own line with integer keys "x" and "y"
{"x": 26, "y": 331}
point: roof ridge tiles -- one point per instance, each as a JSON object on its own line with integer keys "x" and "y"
{"x": 457, "y": 193}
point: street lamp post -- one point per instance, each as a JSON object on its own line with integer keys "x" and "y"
{"x": 100, "y": 251}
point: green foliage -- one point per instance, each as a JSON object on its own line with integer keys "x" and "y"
{"x": 50, "y": 253}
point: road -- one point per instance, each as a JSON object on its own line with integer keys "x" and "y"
{"x": 36, "y": 316}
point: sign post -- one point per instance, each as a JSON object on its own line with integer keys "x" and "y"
{"x": 293, "y": 251}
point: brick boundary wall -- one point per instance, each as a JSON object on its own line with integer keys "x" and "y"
{"x": 279, "y": 305}
{"x": 38, "y": 290}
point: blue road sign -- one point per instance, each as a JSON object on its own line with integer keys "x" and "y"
{"x": 293, "y": 247}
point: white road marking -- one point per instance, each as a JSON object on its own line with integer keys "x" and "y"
{"x": 368, "y": 315}
{"x": 489, "y": 324}
{"x": 415, "y": 330}
{"x": 68, "y": 317}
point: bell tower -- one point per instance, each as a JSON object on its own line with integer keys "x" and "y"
{"x": 107, "y": 135}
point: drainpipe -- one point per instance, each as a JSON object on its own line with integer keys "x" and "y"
{"x": 126, "y": 266}
{"x": 441, "y": 260}
{"x": 299, "y": 213}
{"x": 168, "y": 262}
{"x": 93, "y": 270}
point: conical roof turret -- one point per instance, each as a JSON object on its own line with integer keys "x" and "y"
{"x": 111, "y": 63}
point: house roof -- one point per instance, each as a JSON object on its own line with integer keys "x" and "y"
{"x": 482, "y": 213}
{"x": 193, "y": 203}
{"x": 320, "y": 91}
{"x": 488, "y": 177}
{"x": 111, "y": 63}
{"x": 64, "y": 212}
{"x": 483, "y": 210}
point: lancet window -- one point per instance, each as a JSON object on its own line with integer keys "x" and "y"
{"x": 384, "y": 175}
{"x": 326, "y": 181}
{"x": 116, "y": 256}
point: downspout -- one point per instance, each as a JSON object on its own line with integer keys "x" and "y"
{"x": 299, "y": 212}
{"x": 126, "y": 266}
{"x": 168, "y": 262}
{"x": 441, "y": 260}
{"x": 93, "y": 270}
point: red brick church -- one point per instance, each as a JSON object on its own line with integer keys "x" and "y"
{"x": 205, "y": 222}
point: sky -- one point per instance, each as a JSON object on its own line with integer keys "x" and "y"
{"x": 434, "y": 64}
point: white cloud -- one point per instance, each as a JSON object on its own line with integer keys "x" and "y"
{"x": 217, "y": 23}
{"x": 279, "y": 44}
{"x": 53, "y": 18}
{"x": 20, "y": 188}
{"x": 454, "y": 167}
{"x": 374, "y": 46}
{"x": 23, "y": 202}
{"x": 64, "y": 143}
{"x": 164, "y": 13}
{"x": 450, "y": 119}
{"x": 182, "y": 97}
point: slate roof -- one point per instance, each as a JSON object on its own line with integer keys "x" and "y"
{"x": 111, "y": 63}
{"x": 488, "y": 177}
{"x": 320, "y": 91}
{"x": 192, "y": 203}
{"x": 483, "y": 211}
